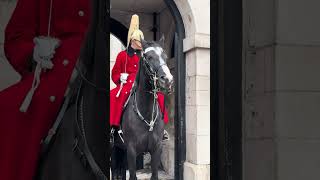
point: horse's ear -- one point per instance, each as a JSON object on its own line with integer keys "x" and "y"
{"x": 161, "y": 41}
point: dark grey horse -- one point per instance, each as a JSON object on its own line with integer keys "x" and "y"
{"x": 142, "y": 120}
{"x": 76, "y": 147}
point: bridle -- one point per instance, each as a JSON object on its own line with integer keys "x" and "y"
{"x": 152, "y": 73}
{"x": 153, "y": 80}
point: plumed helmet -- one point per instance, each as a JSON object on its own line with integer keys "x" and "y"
{"x": 134, "y": 31}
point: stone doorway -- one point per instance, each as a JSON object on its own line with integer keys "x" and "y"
{"x": 156, "y": 18}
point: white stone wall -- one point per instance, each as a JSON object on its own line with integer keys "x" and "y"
{"x": 196, "y": 15}
{"x": 259, "y": 150}
{"x": 116, "y": 47}
{"x": 297, "y": 89}
{"x": 281, "y": 103}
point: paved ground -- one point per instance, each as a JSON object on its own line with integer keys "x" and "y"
{"x": 145, "y": 174}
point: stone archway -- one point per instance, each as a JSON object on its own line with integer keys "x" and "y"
{"x": 192, "y": 109}
{"x": 196, "y": 48}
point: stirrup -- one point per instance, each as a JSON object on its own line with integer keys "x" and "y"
{"x": 120, "y": 135}
{"x": 111, "y": 135}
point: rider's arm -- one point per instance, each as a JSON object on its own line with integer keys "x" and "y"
{"x": 116, "y": 70}
{"x": 19, "y": 34}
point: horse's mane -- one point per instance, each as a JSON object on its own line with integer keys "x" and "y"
{"x": 152, "y": 43}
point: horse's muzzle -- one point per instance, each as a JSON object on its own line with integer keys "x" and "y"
{"x": 166, "y": 84}
{"x": 170, "y": 88}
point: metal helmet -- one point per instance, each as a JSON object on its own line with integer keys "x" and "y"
{"x": 134, "y": 31}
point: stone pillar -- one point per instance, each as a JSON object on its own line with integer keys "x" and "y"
{"x": 197, "y": 165}
{"x": 297, "y": 90}
{"x": 282, "y": 90}
{"x": 259, "y": 148}
{"x": 196, "y": 45}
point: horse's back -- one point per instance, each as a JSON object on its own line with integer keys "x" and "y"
{"x": 61, "y": 162}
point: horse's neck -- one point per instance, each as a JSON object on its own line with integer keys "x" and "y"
{"x": 144, "y": 97}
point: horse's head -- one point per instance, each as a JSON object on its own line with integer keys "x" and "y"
{"x": 155, "y": 63}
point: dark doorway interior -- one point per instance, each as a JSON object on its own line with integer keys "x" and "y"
{"x": 227, "y": 89}
{"x": 119, "y": 30}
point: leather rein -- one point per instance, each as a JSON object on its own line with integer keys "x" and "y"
{"x": 153, "y": 79}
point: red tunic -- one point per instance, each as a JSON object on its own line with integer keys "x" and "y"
{"x": 21, "y": 133}
{"x": 116, "y": 103}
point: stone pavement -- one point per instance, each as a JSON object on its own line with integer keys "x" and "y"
{"x": 145, "y": 174}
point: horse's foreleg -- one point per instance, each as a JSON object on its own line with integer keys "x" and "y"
{"x": 114, "y": 169}
{"x": 131, "y": 158}
{"x": 124, "y": 165}
{"x": 155, "y": 162}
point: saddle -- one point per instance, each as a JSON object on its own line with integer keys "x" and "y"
{"x": 80, "y": 147}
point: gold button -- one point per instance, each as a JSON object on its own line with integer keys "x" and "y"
{"x": 52, "y": 98}
{"x": 81, "y": 13}
{"x": 126, "y": 92}
{"x": 135, "y": 65}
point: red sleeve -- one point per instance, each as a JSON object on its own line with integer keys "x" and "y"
{"x": 19, "y": 33}
{"x": 116, "y": 70}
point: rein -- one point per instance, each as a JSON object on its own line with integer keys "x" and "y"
{"x": 153, "y": 79}
{"x": 85, "y": 153}
{"x": 88, "y": 81}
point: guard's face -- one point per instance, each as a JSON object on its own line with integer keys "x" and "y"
{"x": 136, "y": 44}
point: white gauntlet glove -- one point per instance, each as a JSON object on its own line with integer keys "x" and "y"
{"x": 123, "y": 77}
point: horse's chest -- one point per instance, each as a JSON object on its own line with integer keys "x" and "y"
{"x": 147, "y": 143}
